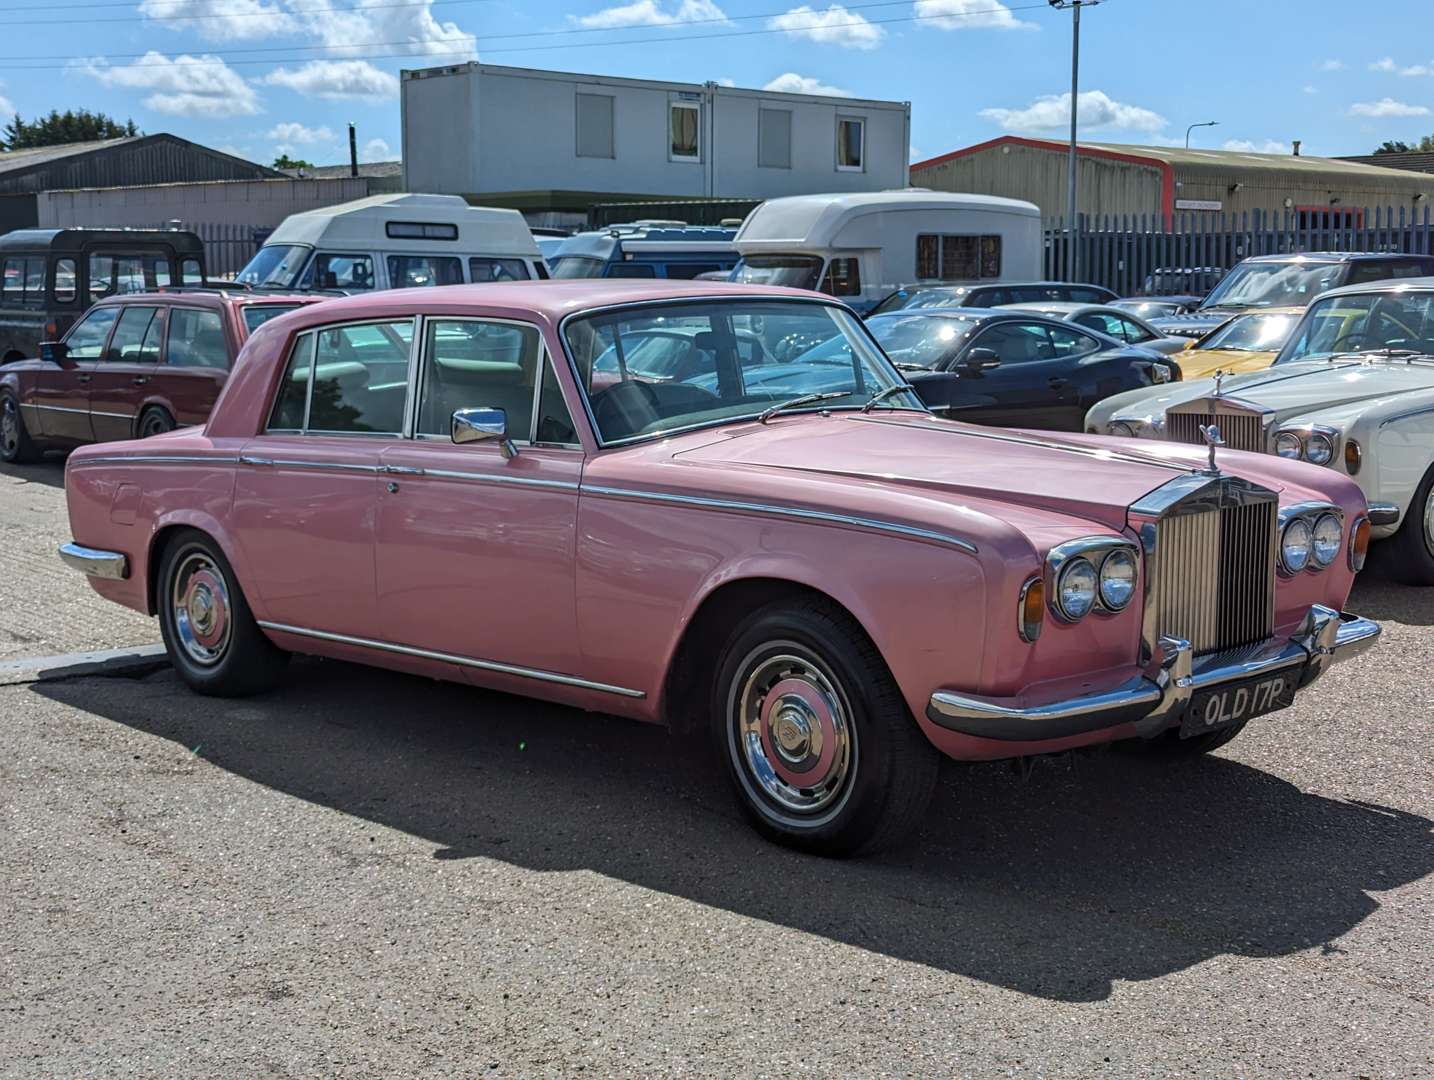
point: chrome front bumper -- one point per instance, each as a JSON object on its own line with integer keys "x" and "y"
{"x": 1159, "y": 698}
{"x": 94, "y": 562}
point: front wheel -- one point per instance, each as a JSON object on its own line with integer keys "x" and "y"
{"x": 16, "y": 446}
{"x": 822, "y": 751}
{"x": 1409, "y": 555}
{"x": 209, "y": 632}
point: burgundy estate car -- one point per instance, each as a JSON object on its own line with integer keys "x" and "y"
{"x": 132, "y": 366}
{"x": 640, "y": 499}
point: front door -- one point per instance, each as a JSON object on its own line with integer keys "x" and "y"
{"x": 474, "y": 554}
{"x": 120, "y": 379}
{"x": 306, "y": 490}
{"x": 60, "y": 397}
{"x": 1034, "y": 385}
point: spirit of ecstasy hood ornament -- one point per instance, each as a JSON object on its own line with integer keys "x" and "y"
{"x": 1219, "y": 378}
{"x": 1211, "y": 435}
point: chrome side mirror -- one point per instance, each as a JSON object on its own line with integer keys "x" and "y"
{"x": 479, "y": 425}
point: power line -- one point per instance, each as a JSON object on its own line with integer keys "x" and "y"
{"x": 18, "y": 63}
{"x": 199, "y": 16}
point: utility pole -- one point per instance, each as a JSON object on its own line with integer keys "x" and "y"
{"x": 1072, "y": 229}
{"x": 1192, "y": 127}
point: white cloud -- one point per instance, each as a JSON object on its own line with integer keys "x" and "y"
{"x": 1310, "y": 89}
{"x": 336, "y": 79}
{"x": 403, "y": 28}
{"x": 1332, "y": 65}
{"x": 1097, "y": 110}
{"x": 235, "y": 151}
{"x": 834, "y": 26}
{"x": 221, "y": 20}
{"x": 651, "y": 13}
{"x": 376, "y": 150}
{"x": 7, "y": 108}
{"x": 969, "y": 15}
{"x": 792, "y": 83}
{"x": 198, "y": 86}
{"x": 294, "y": 132}
{"x": 1386, "y": 107}
{"x": 1387, "y": 64}
{"x": 1269, "y": 146}
{"x": 726, "y": 82}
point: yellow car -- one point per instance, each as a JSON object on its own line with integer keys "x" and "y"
{"x": 1247, "y": 342}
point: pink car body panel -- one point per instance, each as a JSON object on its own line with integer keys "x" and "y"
{"x": 595, "y": 561}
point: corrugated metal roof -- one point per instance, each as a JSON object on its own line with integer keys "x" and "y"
{"x": 1248, "y": 160}
{"x": 329, "y": 172}
{"x": 13, "y": 160}
{"x": 1406, "y": 162}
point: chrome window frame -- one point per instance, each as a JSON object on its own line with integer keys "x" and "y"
{"x": 633, "y": 440}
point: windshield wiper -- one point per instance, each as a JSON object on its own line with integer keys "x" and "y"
{"x": 805, "y": 399}
{"x": 905, "y": 366}
{"x": 881, "y": 395}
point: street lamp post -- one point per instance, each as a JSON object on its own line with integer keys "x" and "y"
{"x": 1192, "y": 127}
{"x": 1072, "y": 231}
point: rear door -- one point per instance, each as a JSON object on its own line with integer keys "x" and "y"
{"x": 194, "y": 364}
{"x": 121, "y": 376}
{"x": 60, "y": 397}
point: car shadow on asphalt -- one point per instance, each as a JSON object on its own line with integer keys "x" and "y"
{"x": 1056, "y": 881}
{"x": 1378, "y": 596}
{"x": 50, "y": 471}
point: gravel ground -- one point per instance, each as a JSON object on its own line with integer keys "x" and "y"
{"x": 366, "y": 874}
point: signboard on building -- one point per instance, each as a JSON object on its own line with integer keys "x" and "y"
{"x": 1199, "y": 204}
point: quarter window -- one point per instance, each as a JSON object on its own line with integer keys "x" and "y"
{"x": 471, "y": 364}
{"x": 685, "y": 122}
{"x": 555, "y": 422}
{"x": 497, "y": 270}
{"x": 87, "y": 337}
{"x": 411, "y": 271}
{"x": 943, "y": 257}
{"x": 196, "y": 339}
{"x": 843, "y": 277}
{"x": 851, "y": 143}
{"x": 127, "y": 343}
{"x": 346, "y": 380}
{"x": 337, "y": 271}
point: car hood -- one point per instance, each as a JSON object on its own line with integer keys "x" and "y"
{"x": 1202, "y": 363}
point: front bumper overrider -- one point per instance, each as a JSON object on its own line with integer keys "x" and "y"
{"x": 1158, "y": 698}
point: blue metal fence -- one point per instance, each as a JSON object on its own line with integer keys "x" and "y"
{"x": 1147, "y": 254}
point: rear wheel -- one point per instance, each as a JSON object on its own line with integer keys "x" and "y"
{"x": 820, "y": 747}
{"x": 154, "y": 421}
{"x": 1409, "y": 553}
{"x": 16, "y": 446}
{"x": 209, "y": 632}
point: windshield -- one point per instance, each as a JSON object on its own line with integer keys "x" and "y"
{"x": 1274, "y": 284}
{"x": 793, "y": 271}
{"x": 256, "y": 315}
{"x": 1368, "y": 323}
{"x": 667, "y": 367}
{"x": 1252, "y": 333}
{"x": 274, "y": 264}
{"x": 920, "y": 340}
{"x": 1149, "y": 309}
{"x": 577, "y": 266}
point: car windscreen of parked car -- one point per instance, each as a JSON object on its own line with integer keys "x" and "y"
{"x": 1274, "y": 284}
{"x": 256, "y": 315}
{"x": 577, "y": 266}
{"x": 919, "y": 342}
{"x": 274, "y": 265}
{"x": 1401, "y": 324}
{"x": 793, "y": 271}
{"x": 717, "y": 380}
{"x": 1252, "y": 333}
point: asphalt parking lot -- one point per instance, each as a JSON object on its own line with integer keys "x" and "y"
{"x": 366, "y": 874}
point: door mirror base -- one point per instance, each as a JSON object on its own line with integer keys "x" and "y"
{"x": 979, "y": 360}
{"x": 482, "y": 424}
{"x": 56, "y": 352}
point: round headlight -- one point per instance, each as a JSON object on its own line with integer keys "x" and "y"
{"x": 1295, "y": 545}
{"x": 1075, "y": 589}
{"x": 1328, "y": 539}
{"x": 1288, "y": 445}
{"x": 1117, "y": 579}
{"x": 1121, "y": 428}
{"x": 1318, "y": 449}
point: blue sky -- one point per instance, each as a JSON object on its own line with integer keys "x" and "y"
{"x": 261, "y": 77}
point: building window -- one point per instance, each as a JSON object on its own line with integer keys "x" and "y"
{"x": 843, "y": 277}
{"x": 774, "y": 138}
{"x": 594, "y": 113}
{"x": 685, "y": 123}
{"x": 957, "y": 258}
{"x": 851, "y": 144}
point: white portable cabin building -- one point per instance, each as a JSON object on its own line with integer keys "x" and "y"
{"x": 862, "y": 247}
{"x": 396, "y": 241}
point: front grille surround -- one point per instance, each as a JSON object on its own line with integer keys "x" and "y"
{"x": 1243, "y": 425}
{"x": 1210, "y": 545}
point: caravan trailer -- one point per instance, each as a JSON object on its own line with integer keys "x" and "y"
{"x": 862, "y": 247}
{"x": 395, "y": 242}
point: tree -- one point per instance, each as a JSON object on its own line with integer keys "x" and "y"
{"x": 1397, "y": 146}
{"x": 284, "y": 161}
{"x": 70, "y": 126}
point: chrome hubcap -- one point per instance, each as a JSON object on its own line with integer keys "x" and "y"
{"x": 791, "y": 735}
{"x": 200, "y": 603}
{"x": 1429, "y": 522}
{"x": 9, "y": 425}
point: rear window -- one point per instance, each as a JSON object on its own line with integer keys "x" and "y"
{"x": 256, "y": 315}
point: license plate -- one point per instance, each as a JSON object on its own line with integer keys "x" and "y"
{"x": 1233, "y": 704}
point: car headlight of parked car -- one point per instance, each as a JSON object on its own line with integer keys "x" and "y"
{"x": 1117, "y": 579}
{"x": 1295, "y": 545}
{"x": 1311, "y": 537}
{"x": 1160, "y": 373}
{"x": 1314, "y": 444}
{"x": 1327, "y": 539}
{"x": 1093, "y": 574}
{"x": 1136, "y": 427}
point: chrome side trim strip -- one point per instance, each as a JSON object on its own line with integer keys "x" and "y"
{"x": 152, "y": 459}
{"x": 783, "y": 511}
{"x": 111, "y": 565}
{"x": 294, "y": 463}
{"x": 461, "y": 661}
{"x": 496, "y": 478}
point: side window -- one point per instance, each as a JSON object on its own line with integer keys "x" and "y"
{"x": 473, "y": 363}
{"x": 35, "y": 281}
{"x": 1134, "y": 332}
{"x": 87, "y": 337}
{"x": 850, "y": 144}
{"x": 334, "y": 271}
{"x": 542, "y": 269}
{"x": 843, "y": 277}
{"x": 555, "y": 422}
{"x": 196, "y": 339}
{"x": 127, "y": 342}
{"x": 12, "y": 282}
{"x": 360, "y": 378}
{"x": 1017, "y": 343}
{"x": 410, "y": 271}
{"x": 293, "y": 399}
{"x": 1065, "y": 342}
{"x": 111, "y": 274}
{"x": 630, "y": 270}
{"x": 688, "y": 271}
{"x": 481, "y": 270}
{"x": 64, "y": 280}
{"x": 190, "y": 273}
{"x": 941, "y": 257}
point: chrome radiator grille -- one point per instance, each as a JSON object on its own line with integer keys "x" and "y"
{"x": 1239, "y": 432}
{"x": 1215, "y": 575}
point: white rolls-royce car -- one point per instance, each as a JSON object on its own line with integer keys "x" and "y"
{"x": 1352, "y": 390}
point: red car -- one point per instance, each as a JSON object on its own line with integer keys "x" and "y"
{"x": 133, "y": 366}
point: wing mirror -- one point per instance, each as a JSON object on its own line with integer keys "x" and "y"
{"x": 979, "y": 360}
{"x": 56, "y": 352}
{"x": 480, "y": 425}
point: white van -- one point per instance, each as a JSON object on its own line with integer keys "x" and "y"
{"x": 863, "y": 247}
{"x": 395, "y": 242}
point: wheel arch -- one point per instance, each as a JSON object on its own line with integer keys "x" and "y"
{"x": 152, "y": 405}
{"x": 165, "y": 532}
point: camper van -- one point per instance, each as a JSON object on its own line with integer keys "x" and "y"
{"x": 395, "y": 242}
{"x": 646, "y": 249}
{"x": 862, "y": 247}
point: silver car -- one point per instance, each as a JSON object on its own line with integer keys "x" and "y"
{"x": 1110, "y": 321}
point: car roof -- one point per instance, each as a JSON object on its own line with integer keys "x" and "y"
{"x": 205, "y": 297}
{"x": 1388, "y": 285}
{"x": 1337, "y": 257}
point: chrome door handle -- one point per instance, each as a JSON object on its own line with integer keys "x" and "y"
{"x": 249, "y": 459}
{"x": 140, "y": 380}
{"x": 401, "y": 470}
{"x": 82, "y": 378}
